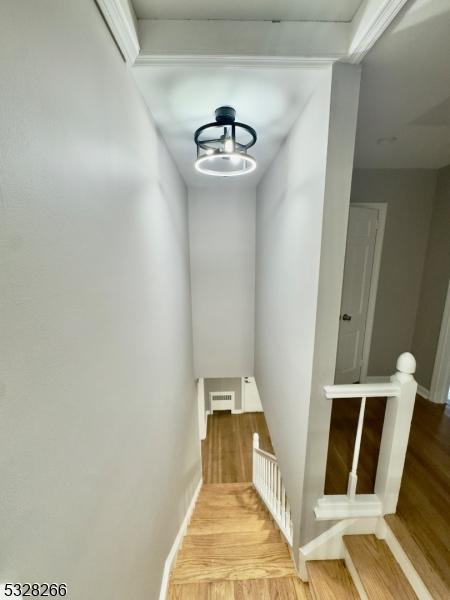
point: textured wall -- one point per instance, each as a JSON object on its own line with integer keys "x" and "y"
{"x": 99, "y": 451}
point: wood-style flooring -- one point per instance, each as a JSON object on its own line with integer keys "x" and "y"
{"x": 234, "y": 551}
{"x": 422, "y": 518}
{"x": 227, "y": 450}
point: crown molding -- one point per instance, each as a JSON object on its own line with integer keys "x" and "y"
{"x": 274, "y": 62}
{"x": 121, "y": 20}
{"x": 368, "y": 25}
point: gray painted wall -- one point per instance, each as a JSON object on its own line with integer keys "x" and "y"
{"x": 435, "y": 280}
{"x": 409, "y": 194}
{"x": 288, "y": 237}
{"x": 226, "y": 384}
{"x": 222, "y": 250}
{"x": 99, "y": 451}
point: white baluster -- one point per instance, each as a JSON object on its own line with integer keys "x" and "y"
{"x": 278, "y": 492}
{"x": 255, "y": 447}
{"x": 353, "y": 477}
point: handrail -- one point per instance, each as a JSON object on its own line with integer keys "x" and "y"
{"x": 400, "y": 393}
{"x": 268, "y": 455}
{"x": 363, "y": 390}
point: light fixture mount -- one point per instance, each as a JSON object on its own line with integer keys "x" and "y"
{"x": 222, "y": 146}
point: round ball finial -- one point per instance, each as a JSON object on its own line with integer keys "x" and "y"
{"x": 406, "y": 363}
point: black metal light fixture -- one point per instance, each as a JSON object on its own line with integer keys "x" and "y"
{"x": 222, "y": 146}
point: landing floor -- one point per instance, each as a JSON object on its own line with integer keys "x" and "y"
{"x": 227, "y": 450}
{"x": 425, "y": 493}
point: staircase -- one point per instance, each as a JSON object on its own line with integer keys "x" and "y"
{"x": 234, "y": 550}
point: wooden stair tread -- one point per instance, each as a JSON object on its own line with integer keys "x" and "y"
{"x": 234, "y": 553}
{"x": 213, "y": 512}
{"x": 430, "y": 577}
{"x": 380, "y": 574}
{"x": 330, "y": 580}
{"x": 202, "y": 526}
{"x": 232, "y": 539}
{"x": 229, "y": 500}
{"x": 227, "y": 488}
{"x": 279, "y": 588}
{"x": 211, "y": 570}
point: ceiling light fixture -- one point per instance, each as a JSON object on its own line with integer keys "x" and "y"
{"x": 222, "y": 146}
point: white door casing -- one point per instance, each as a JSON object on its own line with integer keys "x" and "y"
{"x": 251, "y": 402}
{"x": 359, "y": 261}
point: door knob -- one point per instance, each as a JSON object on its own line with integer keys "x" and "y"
{"x": 346, "y": 317}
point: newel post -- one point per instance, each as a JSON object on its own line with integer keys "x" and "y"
{"x": 394, "y": 440}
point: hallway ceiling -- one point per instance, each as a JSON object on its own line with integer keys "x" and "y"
{"x": 405, "y": 92}
{"x": 182, "y": 98}
{"x": 251, "y": 10}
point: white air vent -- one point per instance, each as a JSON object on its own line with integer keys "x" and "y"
{"x": 221, "y": 401}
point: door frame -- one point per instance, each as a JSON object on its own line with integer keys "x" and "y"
{"x": 440, "y": 379}
{"x": 381, "y": 207}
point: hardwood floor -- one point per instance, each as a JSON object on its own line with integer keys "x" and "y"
{"x": 239, "y": 555}
{"x": 227, "y": 449}
{"x": 425, "y": 493}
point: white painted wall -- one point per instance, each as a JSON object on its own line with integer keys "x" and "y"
{"x": 288, "y": 237}
{"x": 222, "y": 251}
{"x": 302, "y": 207}
{"x": 340, "y": 151}
{"x": 99, "y": 451}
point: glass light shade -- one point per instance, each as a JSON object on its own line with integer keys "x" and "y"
{"x": 225, "y": 164}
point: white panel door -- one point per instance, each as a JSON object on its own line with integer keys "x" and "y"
{"x": 361, "y": 237}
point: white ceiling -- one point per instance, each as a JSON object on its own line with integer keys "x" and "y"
{"x": 405, "y": 92}
{"x": 181, "y": 98}
{"x": 248, "y": 10}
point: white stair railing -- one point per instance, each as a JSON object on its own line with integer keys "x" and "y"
{"x": 268, "y": 483}
{"x": 401, "y": 394}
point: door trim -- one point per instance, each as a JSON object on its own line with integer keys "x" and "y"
{"x": 440, "y": 379}
{"x": 381, "y": 207}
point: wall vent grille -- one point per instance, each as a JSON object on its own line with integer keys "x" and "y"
{"x": 221, "y": 401}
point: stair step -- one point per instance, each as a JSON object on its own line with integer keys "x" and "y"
{"x": 231, "y": 500}
{"x": 281, "y": 588}
{"x": 224, "y": 525}
{"x": 379, "y": 572}
{"x": 213, "y": 512}
{"x": 271, "y": 563}
{"x": 247, "y": 538}
{"x": 233, "y": 554}
{"x": 432, "y": 580}
{"x": 330, "y": 580}
{"x": 227, "y": 488}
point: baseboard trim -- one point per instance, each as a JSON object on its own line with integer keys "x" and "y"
{"x": 384, "y": 532}
{"x": 354, "y": 575}
{"x": 422, "y": 391}
{"x": 170, "y": 560}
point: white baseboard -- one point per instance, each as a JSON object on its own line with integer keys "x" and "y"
{"x": 422, "y": 391}
{"x": 170, "y": 560}
{"x": 354, "y": 575}
{"x": 384, "y": 532}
